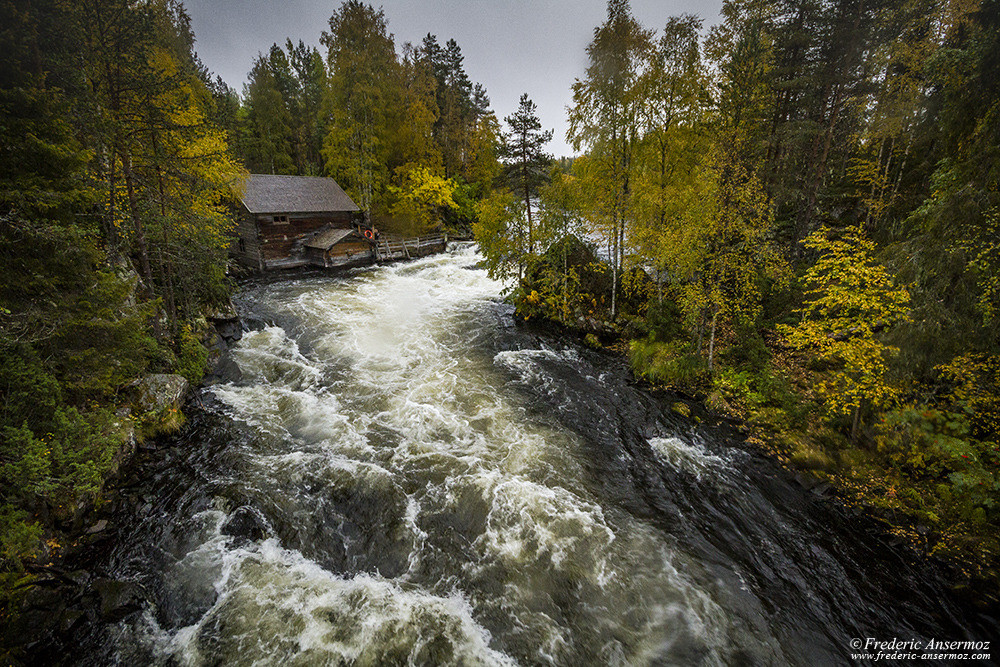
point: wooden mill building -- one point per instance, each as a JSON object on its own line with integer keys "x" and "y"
{"x": 291, "y": 221}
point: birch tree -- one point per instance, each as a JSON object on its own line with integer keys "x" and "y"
{"x": 605, "y": 119}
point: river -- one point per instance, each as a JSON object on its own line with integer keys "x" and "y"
{"x": 403, "y": 476}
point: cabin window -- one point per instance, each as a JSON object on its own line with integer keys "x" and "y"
{"x": 281, "y": 219}
{"x": 242, "y": 245}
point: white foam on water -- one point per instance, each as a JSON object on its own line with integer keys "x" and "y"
{"x": 688, "y": 457}
{"x": 524, "y": 364}
{"x": 385, "y": 391}
{"x": 275, "y": 605}
{"x": 530, "y": 522}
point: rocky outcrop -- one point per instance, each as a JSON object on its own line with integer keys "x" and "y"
{"x": 56, "y": 606}
{"x": 226, "y": 322}
{"x": 159, "y": 392}
{"x": 246, "y": 525}
{"x": 219, "y": 365}
{"x": 117, "y": 598}
{"x": 224, "y": 329}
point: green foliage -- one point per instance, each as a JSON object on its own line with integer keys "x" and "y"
{"x": 671, "y": 364}
{"x": 566, "y": 284}
{"x": 104, "y": 342}
{"x": 386, "y": 117}
{"x": 191, "y": 356}
{"x": 717, "y": 250}
{"x": 268, "y": 145}
{"x": 499, "y": 234}
{"x": 877, "y": 125}
{"x": 19, "y": 538}
{"x": 58, "y": 459}
{"x": 664, "y": 320}
{"x": 525, "y": 162}
{"x": 605, "y": 118}
{"x": 113, "y": 234}
{"x": 53, "y": 450}
{"x": 739, "y": 386}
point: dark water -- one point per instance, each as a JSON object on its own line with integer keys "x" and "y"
{"x": 404, "y": 477}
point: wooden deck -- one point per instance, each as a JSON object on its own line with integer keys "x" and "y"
{"x": 285, "y": 263}
{"x": 386, "y": 249}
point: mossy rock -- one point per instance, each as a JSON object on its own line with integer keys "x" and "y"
{"x": 158, "y": 399}
{"x": 682, "y": 409}
{"x": 160, "y": 391}
{"x": 716, "y": 402}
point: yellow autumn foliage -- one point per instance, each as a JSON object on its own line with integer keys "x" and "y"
{"x": 850, "y": 299}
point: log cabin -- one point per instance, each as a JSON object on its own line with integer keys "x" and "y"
{"x": 292, "y": 221}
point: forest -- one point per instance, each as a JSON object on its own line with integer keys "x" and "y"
{"x": 792, "y": 215}
{"x": 120, "y": 156}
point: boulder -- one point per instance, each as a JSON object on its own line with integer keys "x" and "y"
{"x": 246, "y": 524}
{"x": 118, "y": 598}
{"x": 226, "y": 370}
{"x": 230, "y": 330}
{"x": 226, "y": 322}
{"x": 219, "y": 365}
{"x": 254, "y": 323}
{"x": 161, "y": 391}
{"x": 226, "y": 311}
{"x": 98, "y": 527}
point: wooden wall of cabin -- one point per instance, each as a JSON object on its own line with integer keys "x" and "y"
{"x": 277, "y": 238}
{"x": 352, "y": 248}
{"x": 246, "y": 247}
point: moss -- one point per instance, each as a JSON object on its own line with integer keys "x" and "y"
{"x": 681, "y": 408}
{"x": 812, "y": 458}
{"x": 167, "y": 421}
{"x": 669, "y": 364}
{"x": 192, "y": 355}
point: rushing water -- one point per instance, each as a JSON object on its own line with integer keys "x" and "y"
{"x": 403, "y": 476}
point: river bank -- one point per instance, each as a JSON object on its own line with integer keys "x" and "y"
{"x": 922, "y": 465}
{"x": 884, "y": 522}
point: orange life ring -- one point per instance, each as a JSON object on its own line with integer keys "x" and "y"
{"x": 368, "y": 234}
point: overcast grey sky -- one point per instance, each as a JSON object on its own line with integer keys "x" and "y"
{"x": 510, "y": 46}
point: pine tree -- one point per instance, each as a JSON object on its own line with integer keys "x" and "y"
{"x": 269, "y": 147}
{"x": 526, "y": 163}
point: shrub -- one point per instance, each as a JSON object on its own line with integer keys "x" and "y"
{"x": 670, "y": 364}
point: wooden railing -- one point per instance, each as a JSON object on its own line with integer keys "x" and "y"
{"x": 393, "y": 248}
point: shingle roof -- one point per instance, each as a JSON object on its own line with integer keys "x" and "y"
{"x": 327, "y": 239}
{"x": 266, "y": 193}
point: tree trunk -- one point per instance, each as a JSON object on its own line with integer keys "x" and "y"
{"x": 166, "y": 265}
{"x": 138, "y": 229}
{"x": 113, "y": 235}
{"x": 855, "y": 424}
{"x": 527, "y": 205}
{"x": 701, "y": 330}
{"x": 711, "y": 341}
{"x": 614, "y": 289}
